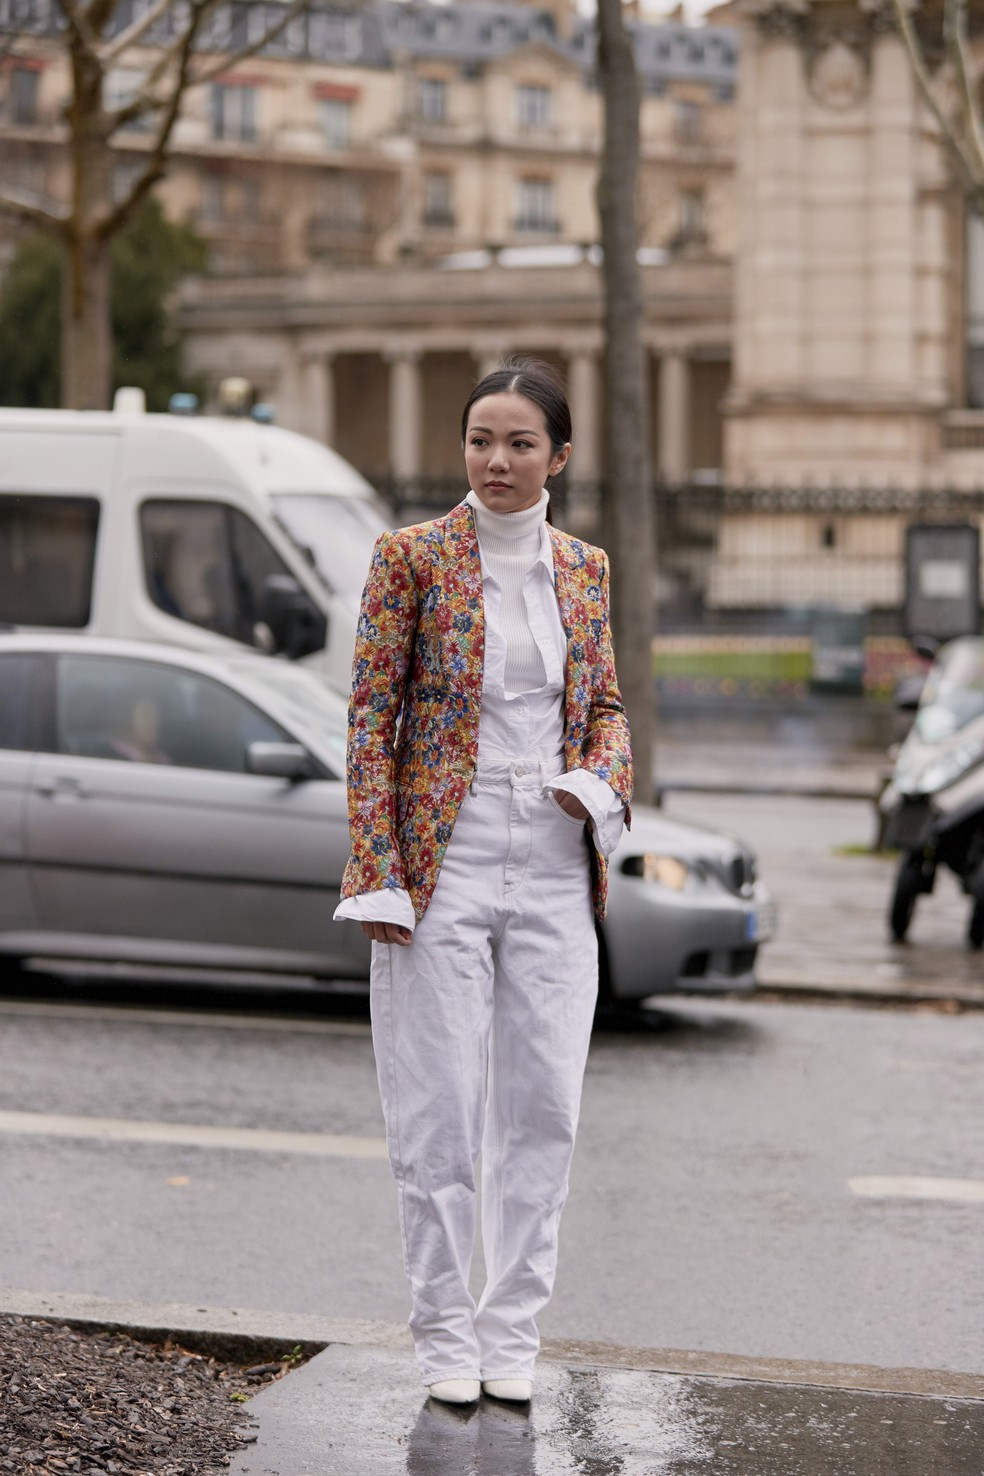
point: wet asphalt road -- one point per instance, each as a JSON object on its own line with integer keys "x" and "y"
{"x": 725, "y": 1194}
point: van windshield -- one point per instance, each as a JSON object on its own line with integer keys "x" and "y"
{"x": 336, "y": 533}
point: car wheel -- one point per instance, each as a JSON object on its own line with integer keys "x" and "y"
{"x": 975, "y": 928}
{"x": 909, "y": 882}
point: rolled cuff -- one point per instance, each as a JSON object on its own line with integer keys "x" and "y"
{"x": 606, "y": 809}
{"x": 388, "y": 905}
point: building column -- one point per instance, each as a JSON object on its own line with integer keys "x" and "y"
{"x": 405, "y": 412}
{"x": 319, "y": 397}
{"x": 489, "y": 356}
{"x": 585, "y": 400}
{"x": 674, "y": 416}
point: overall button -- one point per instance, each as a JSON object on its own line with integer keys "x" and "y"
{"x": 520, "y": 771}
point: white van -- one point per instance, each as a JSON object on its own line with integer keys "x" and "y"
{"x": 197, "y": 531}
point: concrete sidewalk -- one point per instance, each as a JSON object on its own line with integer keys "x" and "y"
{"x": 357, "y": 1408}
{"x": 355, "y": 1411}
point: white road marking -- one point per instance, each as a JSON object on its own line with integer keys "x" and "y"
{"x": 190, "y": 1135}
{"x": 885, "y": 1186}
{"x": 200, "y": 1019}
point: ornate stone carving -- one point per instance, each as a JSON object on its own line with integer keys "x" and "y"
{"x": 838, "y": 76}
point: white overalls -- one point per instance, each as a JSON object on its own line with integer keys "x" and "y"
{"x": 481, "y": 1026}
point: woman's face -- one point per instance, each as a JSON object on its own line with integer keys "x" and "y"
{"x": 508, "y": 452}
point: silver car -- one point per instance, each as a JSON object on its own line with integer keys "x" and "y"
{"x": 188, "y": 811}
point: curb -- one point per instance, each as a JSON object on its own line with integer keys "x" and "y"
{"x": 875, "y": 997}
{"x": 766, "y": 791}
{"x": 248, "y": 1333}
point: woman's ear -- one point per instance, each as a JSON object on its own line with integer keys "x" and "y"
{"x": 560, "y": 459}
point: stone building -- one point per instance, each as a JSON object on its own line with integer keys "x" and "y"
{"x": 394, "y": 196}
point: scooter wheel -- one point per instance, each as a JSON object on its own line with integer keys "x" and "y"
{"x": 975, "y": 928}
{"x": 908, "y": 885}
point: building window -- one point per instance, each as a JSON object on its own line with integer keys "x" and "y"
{"x": 126, "y": 172}
{"x": 438, "y": 210}
{"x": 534, "y": 106}
{"x": 535, "y": 205}
{"x": 336, "y": 122}
{"x": 692, "y": 214}
{"x": 687, "y": 121}
{"x": 23, "y": 95}
{"x": 432, "y": 99}
{"x": 229, "y": 199}
{"x": 234, "y": 112}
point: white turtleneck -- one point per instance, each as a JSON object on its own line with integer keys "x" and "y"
{"x": 510, "y": 545}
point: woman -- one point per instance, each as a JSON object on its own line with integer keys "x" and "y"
{"x": 480, "y": 824}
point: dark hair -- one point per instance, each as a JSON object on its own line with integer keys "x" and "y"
{"x": 539, "y": 383}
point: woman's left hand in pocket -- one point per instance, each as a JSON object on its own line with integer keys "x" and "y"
{"x": 570, "y": 804}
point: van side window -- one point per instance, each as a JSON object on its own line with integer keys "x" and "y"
{"x": 208, "y": 563}
{"x": 47, "y": 555}
{"x": 17, "y": 711}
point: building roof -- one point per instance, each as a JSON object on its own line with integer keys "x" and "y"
{"x": 469, "y": 34}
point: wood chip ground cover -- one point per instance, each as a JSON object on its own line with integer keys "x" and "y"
{"x": 76, "y": 1403}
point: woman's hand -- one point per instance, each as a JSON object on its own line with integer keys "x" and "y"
{"x": 381, "y": 932}
{"x": 570, "y": 804}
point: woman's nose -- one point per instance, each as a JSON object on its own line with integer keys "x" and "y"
{"x": 497, "y": 456}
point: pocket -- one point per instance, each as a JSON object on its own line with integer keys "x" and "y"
{"x": 555, "y": 805}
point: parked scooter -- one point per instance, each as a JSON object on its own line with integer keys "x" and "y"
{"x": 934, "y": 803}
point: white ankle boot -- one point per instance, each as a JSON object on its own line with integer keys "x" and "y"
{"x": 455, "y": 1391}
{"x": 518, "y": 1390}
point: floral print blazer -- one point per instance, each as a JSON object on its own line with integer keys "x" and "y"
{"x": 417, "y": 691}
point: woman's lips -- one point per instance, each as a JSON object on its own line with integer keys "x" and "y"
{"x": 497, "y": 486}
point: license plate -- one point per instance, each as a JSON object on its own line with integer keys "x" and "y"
{"x": 760, "y": 925}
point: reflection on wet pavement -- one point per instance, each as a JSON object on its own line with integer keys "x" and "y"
{"x": 359, "y": 1412}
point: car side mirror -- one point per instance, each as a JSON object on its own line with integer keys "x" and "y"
{"x": 280, "y": 761}
{"x": 294, "y": 621}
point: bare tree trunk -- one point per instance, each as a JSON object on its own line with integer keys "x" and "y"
{"x": 627, "y": 510}
{"x": 86, "y": 328}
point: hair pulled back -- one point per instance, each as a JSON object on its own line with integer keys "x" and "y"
{"x": 539, "y": 383}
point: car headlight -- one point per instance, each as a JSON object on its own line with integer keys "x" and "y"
{"x": 668, "y": 871}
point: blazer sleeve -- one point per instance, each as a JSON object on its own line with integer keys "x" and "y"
{"x": 383, "y": 652}
{"x": 607, "y": 749}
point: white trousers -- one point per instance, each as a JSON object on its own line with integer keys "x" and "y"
{"x": 481, "y": 1030}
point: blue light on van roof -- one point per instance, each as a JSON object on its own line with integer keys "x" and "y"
{"x": 183, "y": 404}
{"x": 263, "y": 414}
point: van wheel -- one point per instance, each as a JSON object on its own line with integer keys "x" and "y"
{"x": 909, "y": 882}
{"x": 975, "y": 929}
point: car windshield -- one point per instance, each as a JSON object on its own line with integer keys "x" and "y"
{"x": 954, "y": 692}
{"x": 310, "y": 707}
{"x": 335, "y": 533}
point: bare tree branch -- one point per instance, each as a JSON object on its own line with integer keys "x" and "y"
{"x": 157, "y": 162}
{"x": 133, "y": 32}
{"x": 921, "y": 73}
{"x": 25, "y": 207}
{"x": 958, "y": 46}
{"x": 232, "y": 59}
{"x": 78, "y": 24}
{"x": 148, "y": 101}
